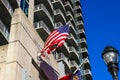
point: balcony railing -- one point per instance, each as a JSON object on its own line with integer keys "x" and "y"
{"x": 76, "y": 0}
{"x": 82, "y": 40}
{"x": 84, "y": 60}
{"x": 81, "y": 31}
{"x": 59, "y": 2}
{"x": 65, "y": 44}
{"x": 73, "y": 63}
{"x": 86, "y": 72}
{"x": 41, "y": 24}
{"x": 72, "y": 49}
{"x": 56, "y": 0}
{"x": 8, "y": 6}
{"x": 58, "y": 24}
{"x": 58, "y": 11}
{"x": 61, "y": 56}
{"x": 78, "y": 14}
{"x": 42, "y": 7}
{"x": 84, "y": 49}
{"x": 79, "y": 22}
{"x": 77, "y": 7}
{"x": 73, "y": 29}
{"x": 3, "y": 30}
{"x": 68, "y": 3}
{"x": 71, "y": 36}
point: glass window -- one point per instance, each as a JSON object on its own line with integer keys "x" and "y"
{"x": 24, "y": 6}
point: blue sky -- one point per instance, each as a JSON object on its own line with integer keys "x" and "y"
{"x": 102, "y": 26}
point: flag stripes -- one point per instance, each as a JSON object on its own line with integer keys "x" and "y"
{"x": 56, "y": 39}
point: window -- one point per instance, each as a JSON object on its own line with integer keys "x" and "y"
{"x": 24, "y": 4}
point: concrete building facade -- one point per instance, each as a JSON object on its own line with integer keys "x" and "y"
{"x": 24, "y": 27}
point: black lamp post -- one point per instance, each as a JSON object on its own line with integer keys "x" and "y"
{"x": 110, "y": 56}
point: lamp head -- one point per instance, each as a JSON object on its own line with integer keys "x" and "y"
{"x": 110, "y": 55}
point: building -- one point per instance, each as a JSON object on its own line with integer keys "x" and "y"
{"x": 24, "y": 27}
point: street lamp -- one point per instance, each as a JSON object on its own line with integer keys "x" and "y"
{"x": 110, "y": 56}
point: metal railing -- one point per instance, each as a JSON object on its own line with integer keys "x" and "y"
{"x": 58, "y": 24}
{"x": 68, "y": 3}
{"x": 8, "y": 6}
{"x": 82, "y": 40}
{"x": 41, "y": 24}
{"x": 71, "y": 36}
{"x": 85, "y": 72}
{"x": 65, "y": 44}
{"x": 2, "y": 26}
{"x": 84, "y": 49}
{"x": 76, "y": 0}
{"x": 58, "y": 11}
{"x": 62, "y": 56}
{"x": 3, "y": 30}
{"x": 68, "y": 13}
{"x": 73, "y": 63}
{"x": 79, "y": 22}
{"x": 78, "y": 14}
{"x": 42, "y": 7}
{"x": 77, "y": 7}
{"x": 72, "y": 49}
{"x": 81, "y": 31}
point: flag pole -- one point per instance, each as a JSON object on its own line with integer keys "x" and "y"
{"x": 85, "y": 60}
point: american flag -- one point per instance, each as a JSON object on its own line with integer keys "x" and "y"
{"x": 55, "y": 39}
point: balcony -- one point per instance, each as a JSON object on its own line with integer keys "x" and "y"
{"x": 4, "y": 34}
{"x": 42, "y": 28}
{"x": 61, "y": 57}
{"x": 83, "y": 42}
{"x": 6, "y": 11}
{"x": 77, "y": 2}
{"x": 72, "y": 30}
{"x": 8, "y": 6}
{"x": 73, "y": 54}
{"x": 41, "y": 13}
{"x": 87, "y": 74}
{"x": 58, "y": 4}
{"x": 84, "y": 52}
{"x": 80, "y": 24}
{"x": 78, "y": 8}
{"x": 69, "y": 15}
{"x": 64, "y": 49}
{"x": 73, "y": 23}
{"x": 73, "y": 65}
{"x": 72, "y": 41}
{"x": 70, "y": 1}
{"x": 86, "y": 64}
{"x": 68, "y": 7}
{"x": 48, "y": 5}
{"x": 81, "y": 33}
{"x": 59, "y": 16}
{"x": 79, "y": 16}
{"x": 58, "y": 24}
{"x": 14, "y": 3}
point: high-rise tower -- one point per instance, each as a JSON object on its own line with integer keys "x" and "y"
{"x": 57, "y": 13}
{"x": 19, "y": 42}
